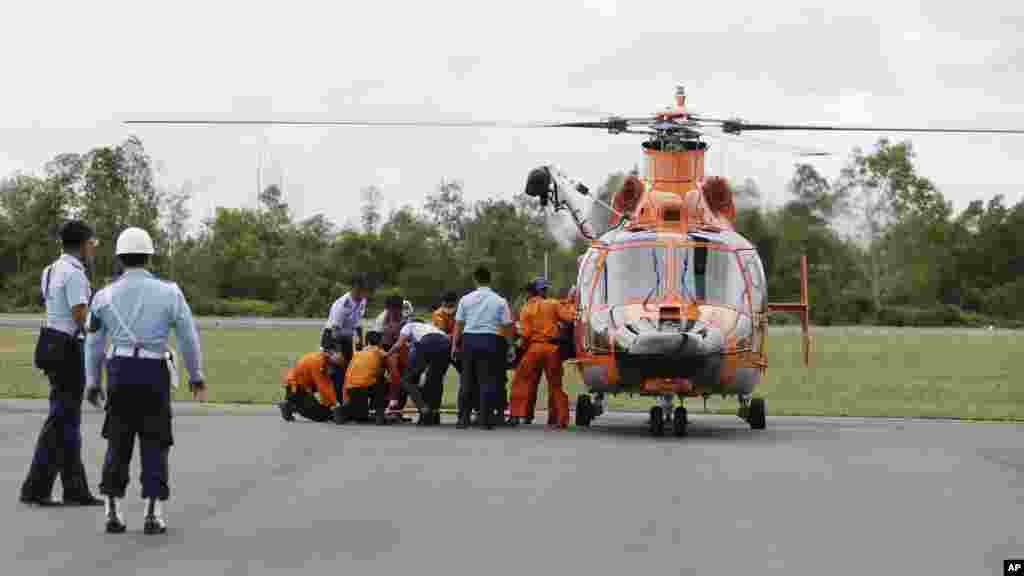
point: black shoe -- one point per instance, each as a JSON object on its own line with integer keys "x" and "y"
{"x": 114, "y": 523}
{"x": 437, "y": 418}
{"x": 339, "y": 416}
{"x": 286, "y": 411}
{"x": 87, "y": 500}
{"x": 513, "y": 421}
{"x": 426, "y": 419}
{"x": 154, "y": 525}
{"x": 528, "y": 420}
{"x": 115, "y": 526}
{"x": 382, "y": 420}
{"x": 154, "y": 522}
{"x": 463, "y": 422}
{"x": 41, "y": 501}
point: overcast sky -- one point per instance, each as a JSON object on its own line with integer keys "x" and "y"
{"x": 73, "y": 71}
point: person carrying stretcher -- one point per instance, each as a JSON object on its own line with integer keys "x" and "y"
{"x": 309, "y": 387}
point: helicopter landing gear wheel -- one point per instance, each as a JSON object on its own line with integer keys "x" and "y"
{"x": 679, "y": 422}
{"x": 756, "y": 417}
{"x": 584, "y": 410}
{"x": 657, "y": 423}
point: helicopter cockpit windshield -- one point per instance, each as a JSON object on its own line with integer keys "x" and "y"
{"x": 634, "y": 274}
{"x": 712, "y": 276}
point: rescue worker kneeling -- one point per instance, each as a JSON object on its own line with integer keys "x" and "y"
{"x": 429, "y": 350}
{"x": 365, "y": 376}
{"x": 312, "y": 374}
{"x": 540, "y": 319}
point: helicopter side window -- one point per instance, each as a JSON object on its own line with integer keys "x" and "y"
{"x": 586, "y": 281}
{"x": 758, "y": 289}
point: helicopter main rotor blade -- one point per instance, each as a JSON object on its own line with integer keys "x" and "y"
{"x": 754, "y": 142}
{"x": 377, "y": 123}
{"x": 738, "y": 126}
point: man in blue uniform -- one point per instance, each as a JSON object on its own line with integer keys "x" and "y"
{"x": 66, "y": 291}
{"x": 483, "y": 323}
{"x": 136, "y": 314}
{"x": 343, "y": 329}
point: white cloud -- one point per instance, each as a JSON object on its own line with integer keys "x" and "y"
{"x": 74, "y": 71}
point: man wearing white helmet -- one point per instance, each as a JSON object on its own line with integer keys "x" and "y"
{"x": 136, "y": 313}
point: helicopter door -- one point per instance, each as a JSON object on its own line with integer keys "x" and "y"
{"x": 584, "y": 294}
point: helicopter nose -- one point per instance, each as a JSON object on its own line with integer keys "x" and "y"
{"x": 701, "y": 340}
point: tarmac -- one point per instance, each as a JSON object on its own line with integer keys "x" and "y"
{"x": 252, "y": 494}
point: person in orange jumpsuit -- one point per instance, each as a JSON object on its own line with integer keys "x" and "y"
{"x": 539, "y": 329}
{"x": 312, "y": 374}
{"x": 365, "y": 377}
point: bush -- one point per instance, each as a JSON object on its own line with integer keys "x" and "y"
{"x": 239, "y": 307}
{"x": 945, "y": 315}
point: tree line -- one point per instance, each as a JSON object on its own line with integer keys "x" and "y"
{"x": 884, "y": 246}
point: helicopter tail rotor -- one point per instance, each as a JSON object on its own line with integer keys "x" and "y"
{"x": 802, "y": 308}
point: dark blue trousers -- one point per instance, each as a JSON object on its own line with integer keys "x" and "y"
{"x": 432, "y": 355}
{"x": 59, "y": 448}
{"x": 483, "y": 364}
{"x": 138, "y": 405}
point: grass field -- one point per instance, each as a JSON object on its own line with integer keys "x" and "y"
{"x": 854, "y": 372}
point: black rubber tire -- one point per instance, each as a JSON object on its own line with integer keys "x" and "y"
{"x": 679, "y": 422}
{"x": 757, "y": 414}
{"x": 657, "y": 423}
{"x": 584, "y": 410}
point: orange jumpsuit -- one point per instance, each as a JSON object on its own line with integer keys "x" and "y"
{"x": 366, "y": 369}
{"x": 310, "y": 375}
{"x": 538, "y": 328}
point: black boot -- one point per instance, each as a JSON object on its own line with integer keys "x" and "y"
{"x": 154, "y": 523}
{"x": 426, "y": 418}
{"x": 463, "y": 422}
{"x": 115, "y": 524}
{"x": 340, "y": 415}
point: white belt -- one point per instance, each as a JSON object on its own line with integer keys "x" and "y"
{"x": 129, "y": 352}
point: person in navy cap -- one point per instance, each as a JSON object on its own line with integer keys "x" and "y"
{"x": 65, "y": 292}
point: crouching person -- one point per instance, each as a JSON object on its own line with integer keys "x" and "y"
{"x": 429, "y": 350}
{"x": 309, "y": 387}
{"x": 365, "y": 380}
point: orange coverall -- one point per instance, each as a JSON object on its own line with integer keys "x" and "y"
{"x": 538, "y": 328}
{"x": 310, "y": 375}
{"x": 366, "y": 369}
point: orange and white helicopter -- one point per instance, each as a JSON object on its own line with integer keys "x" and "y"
{"x": 671, "y": 300}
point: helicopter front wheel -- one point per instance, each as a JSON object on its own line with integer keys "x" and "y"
{"x": 756, "y": 416}
{"x": 657, "y": 422}
{"x": 679, "y": 422}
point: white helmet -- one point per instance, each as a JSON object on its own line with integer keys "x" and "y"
{"x": 407, "y": 309}
{"x": 134, "y": 241}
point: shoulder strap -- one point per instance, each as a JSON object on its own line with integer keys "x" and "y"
{"x": 124, "y": 326}
{"x": 46, "y": 292}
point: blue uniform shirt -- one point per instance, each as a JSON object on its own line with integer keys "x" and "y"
{"x": 150, "y": 307}
{"x": 68, "y": 287}
{"x": 483, "y": 311}
{"x": 345, "y": 315}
